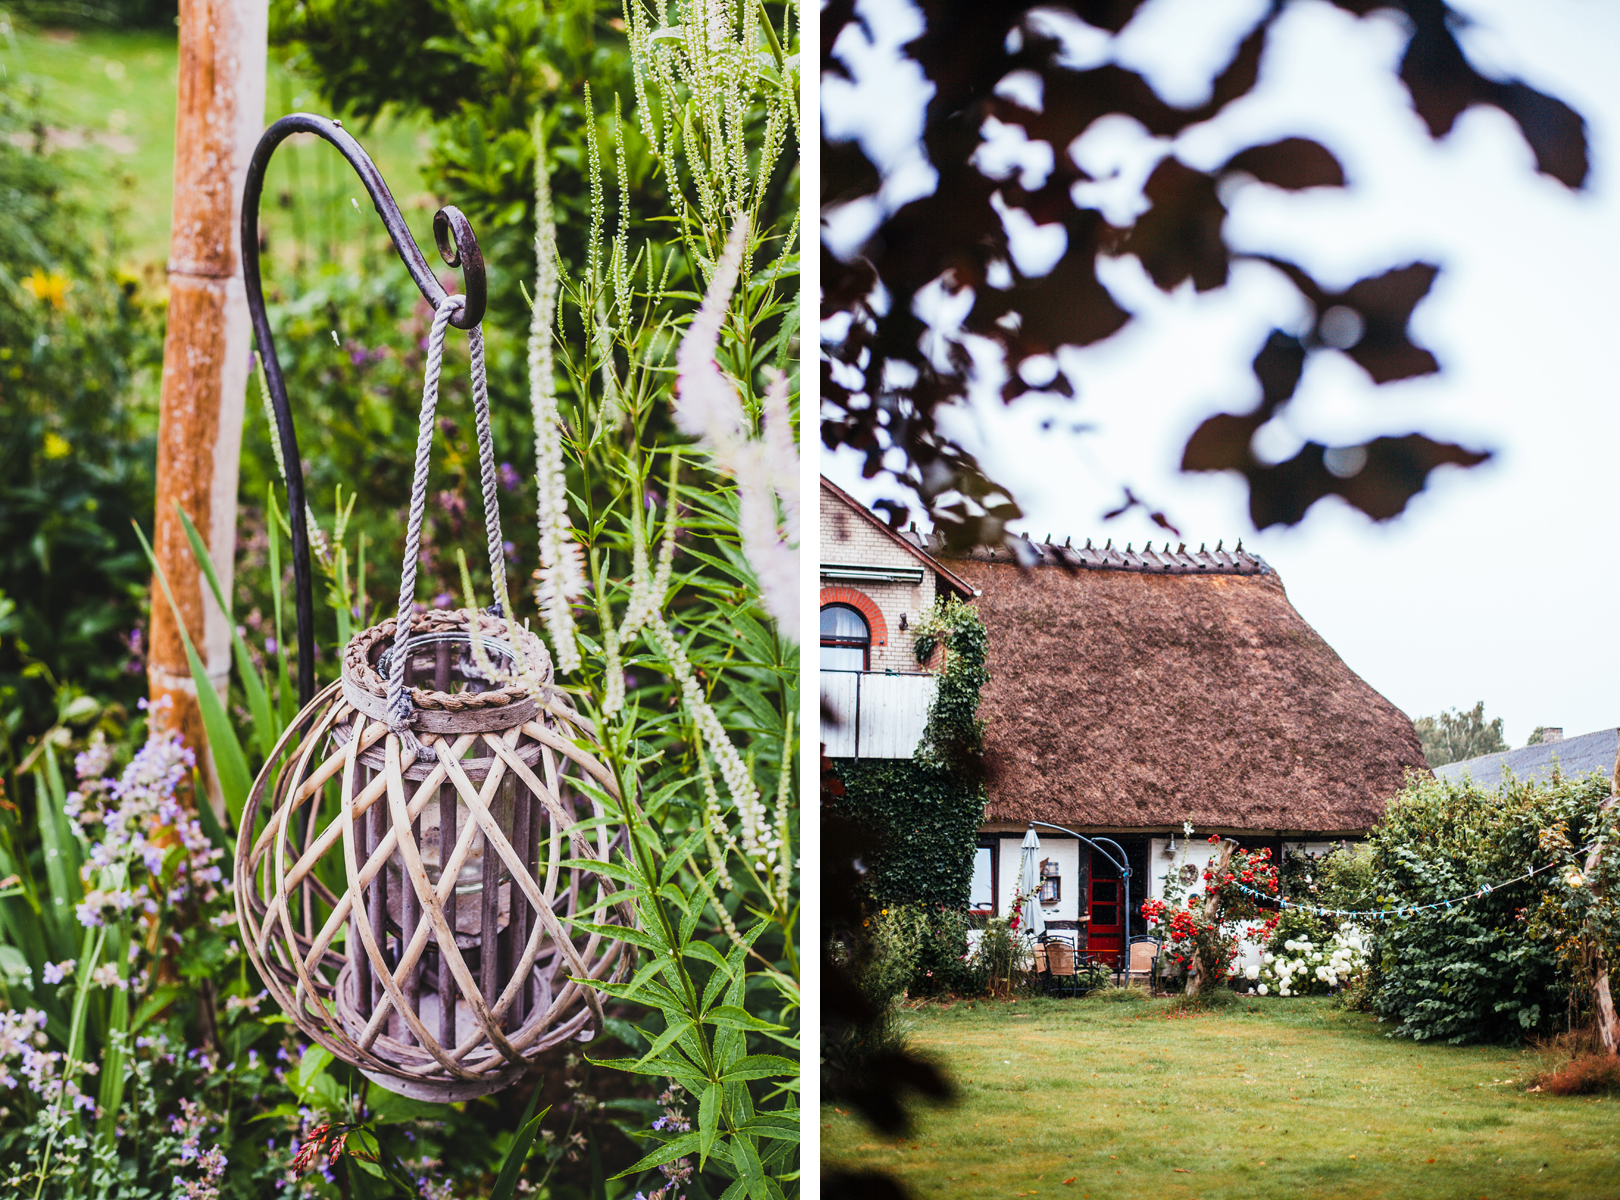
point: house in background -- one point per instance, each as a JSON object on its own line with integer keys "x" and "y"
{"x": 874, "y": 583}
{"x": 1571, "y": 756}
{"x": 1132, "y": 691}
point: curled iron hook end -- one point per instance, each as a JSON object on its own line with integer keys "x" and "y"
{"x": 453, "y": 234}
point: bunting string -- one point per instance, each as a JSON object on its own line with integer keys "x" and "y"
{"x": 1410, "y": 910}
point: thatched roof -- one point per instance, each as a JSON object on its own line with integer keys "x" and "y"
{"x": 1141, "y": 690}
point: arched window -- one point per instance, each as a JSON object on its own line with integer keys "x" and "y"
{"x": 846, "y": 640}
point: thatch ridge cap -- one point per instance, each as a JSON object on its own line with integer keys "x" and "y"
{"x": 1025, "y": 552}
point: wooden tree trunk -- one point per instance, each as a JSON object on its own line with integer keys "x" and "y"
{"x": 1608, "y": 1025}
{"x": 207, "y": 345}
{"x": 1203, "y": 972}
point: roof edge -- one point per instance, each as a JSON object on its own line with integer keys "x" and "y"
{"x": 952, "y": 580}
{"x": 1027, "y": 553}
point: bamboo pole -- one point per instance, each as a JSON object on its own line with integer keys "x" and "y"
{"x": 206, "y": 347}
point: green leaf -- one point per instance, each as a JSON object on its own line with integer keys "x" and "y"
{"x": 159, "y": 1000}
{"x": 782, "y": 1125}
{"x": 739, "y": 1018}
{"x": 682, "y": 1072}
{"x": 678, "y": 856}
{"x": 230, "y": 764}
{"x": 668, "y": 1152}
{"x": 265, "y": 728}
{"x": 667, "y": 1038}
{"x": 314, "y": 1061}
{"x": 647, "y": 939}
{"x": 708, "y": 1122}
{"x": 761, "y": 1066}
{"x": 750, "y": 1170}
{"x": 390, "y": 1108}
{"x": 61, "y": 853}
{"x": 215, "y": 831}
{"x": 506, "y": 1183}
{"x": 707, "y": 953}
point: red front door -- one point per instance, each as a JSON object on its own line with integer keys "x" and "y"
{"x": 1106, "y": 931}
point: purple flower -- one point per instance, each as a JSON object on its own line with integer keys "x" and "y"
{"x": 509, "y": 477}
{"x": 442, "y": 600}
{"x": 510, "y": 549}
{"x": 270, "y": 645}
{"x": 56, "y": 972}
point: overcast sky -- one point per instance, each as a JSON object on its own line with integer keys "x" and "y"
{"x": 1497, "y": 584}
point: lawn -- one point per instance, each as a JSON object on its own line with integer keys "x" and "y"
{"x": 1262, "y": 1098}
{"x": 109, "y": 101}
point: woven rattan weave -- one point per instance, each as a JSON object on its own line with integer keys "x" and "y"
{"x": 453, "y": 882}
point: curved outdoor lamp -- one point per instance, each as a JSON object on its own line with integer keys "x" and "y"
{"x": 1115, "y": 856}
{"x": 438, "y": 810}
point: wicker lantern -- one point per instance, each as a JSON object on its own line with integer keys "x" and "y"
{"x": 426, "y": 848}
{"x": 453, "y": 879}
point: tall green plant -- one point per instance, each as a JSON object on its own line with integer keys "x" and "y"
{"x": 1490, "y": 965}
{"x": 686, "y": 659}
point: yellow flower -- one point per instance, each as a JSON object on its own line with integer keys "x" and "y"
{"x": 56, "y": 446}
{"x": 52, "y": 289}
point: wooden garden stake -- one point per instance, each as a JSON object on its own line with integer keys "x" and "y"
{"x": 206, "y": 346}
{"x": 1195, "y": 978}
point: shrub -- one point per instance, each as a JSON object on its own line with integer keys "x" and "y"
{"x": 1483, "y": 967}
{"x": 1134, "y": 994}
{"x": 1299, "y": 966}
{"x": 1588, "y": 1075}
{"x": 999, "y": 955}
{"x": 944, "y": 963}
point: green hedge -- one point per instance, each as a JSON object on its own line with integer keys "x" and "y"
{"x": 1489, "y": 968}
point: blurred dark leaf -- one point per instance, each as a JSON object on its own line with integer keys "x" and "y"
{"x": 1387, "y": 471}
{"x": 1443, "y": 85}
{"x": 1293, "y": 163}
{"x": 895, "y": 372}
{"x": 1179, "y": 237}
{"x": 1383, "y": 304}
{"x": 846, "y": 173}
{"x": 861, "y": 1185}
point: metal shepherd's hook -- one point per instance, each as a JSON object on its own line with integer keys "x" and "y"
{"x": 457, "y": 246}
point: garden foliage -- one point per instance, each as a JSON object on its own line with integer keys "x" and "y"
{"x": 660, "y": 382}
{"x": 76, "y": 448}
{"x": 1514, "y": 961}
{"x": 926, "y": 811}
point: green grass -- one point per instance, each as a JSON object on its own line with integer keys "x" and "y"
{"x": 109, "y": 101}
{"x": 1257, "y": 1099}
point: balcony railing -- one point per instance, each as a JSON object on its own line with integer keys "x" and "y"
{"x": 879, "y": 714}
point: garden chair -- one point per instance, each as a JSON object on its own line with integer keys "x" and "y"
{"x": 1143, "y": 963}
{"x": 1038, "y": 953}
{"x": 1058, "y": 978}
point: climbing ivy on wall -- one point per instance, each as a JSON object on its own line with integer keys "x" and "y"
{"x": 927, "y": 809}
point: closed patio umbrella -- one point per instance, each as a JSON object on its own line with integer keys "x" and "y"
{"x": 1029, "y": 885}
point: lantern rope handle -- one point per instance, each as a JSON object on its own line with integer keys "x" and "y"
{"x": 400, "y": 707}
